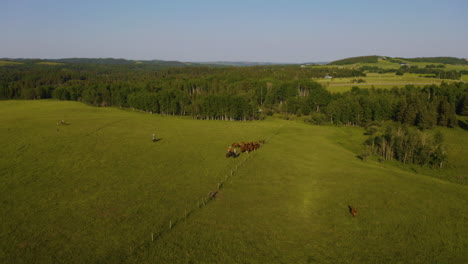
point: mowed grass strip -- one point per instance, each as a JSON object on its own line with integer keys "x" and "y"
{"x": 94, "y": 191}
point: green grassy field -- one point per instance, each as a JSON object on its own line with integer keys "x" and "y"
{"x": 5, "y": 63}
{"x": 383, "y": 81}
{"x": 387, "y": 64}
{"x": 49, "y": 63}
{"x": 99, "y": 191}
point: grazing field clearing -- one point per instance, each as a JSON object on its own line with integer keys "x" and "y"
{"x": 5, "y": 63}
{"x": 99, "y": 191}
{"x": 50, "y": 63}
{"x": 387, "y": 64}
{"x": 385, "y": 80}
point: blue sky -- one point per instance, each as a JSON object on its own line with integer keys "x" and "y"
{"x": 208, "y": 30}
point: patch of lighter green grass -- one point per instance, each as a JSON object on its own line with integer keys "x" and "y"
{"x": 377, "y": 80}
{"x": 50, "y": 63}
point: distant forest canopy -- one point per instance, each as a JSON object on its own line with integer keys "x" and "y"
{"x": 375, "y": 59}
{"x": 235, "y": 93}
{"x": 107, "y": 61}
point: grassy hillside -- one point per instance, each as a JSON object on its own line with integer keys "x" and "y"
{"x": 97, "y": 189}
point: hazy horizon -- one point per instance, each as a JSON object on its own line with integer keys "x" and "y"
{"x": 212, "y": 31}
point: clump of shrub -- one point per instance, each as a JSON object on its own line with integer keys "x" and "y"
{"x": 316, "y": 118}
{"x": 359, "y": 80}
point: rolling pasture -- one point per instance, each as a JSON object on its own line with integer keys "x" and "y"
{"x": 386, "y": 80}
{"x": 7, "y": 63}
{"x": 97, "y": 190}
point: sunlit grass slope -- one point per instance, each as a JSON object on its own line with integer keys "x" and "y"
{"x": 95, "y": 191}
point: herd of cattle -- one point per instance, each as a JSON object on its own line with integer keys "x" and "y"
{"x": 244, "y": 147}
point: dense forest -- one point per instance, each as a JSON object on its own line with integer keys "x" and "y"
{"x": 235, "y": 93}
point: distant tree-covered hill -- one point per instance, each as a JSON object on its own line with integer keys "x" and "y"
{"x": 353, "y": 60}
{"x": 375, "y": 59}
{"x": 104, "y": 61}
{"x": 445, "y": 60}
{"x": 93, "y": 60}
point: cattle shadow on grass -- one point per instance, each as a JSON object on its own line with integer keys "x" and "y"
{"x": 157, "y": 139}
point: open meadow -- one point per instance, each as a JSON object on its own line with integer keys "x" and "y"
{"x": 96, "y": 189}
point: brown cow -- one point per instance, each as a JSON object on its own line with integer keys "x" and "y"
{"x": 352, "y": 210}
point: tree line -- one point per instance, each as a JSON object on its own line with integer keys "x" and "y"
{"x": 429, "y": 71}
{"x": 235, "y": 93}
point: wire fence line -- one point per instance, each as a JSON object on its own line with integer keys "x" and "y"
{"x": 200, "y": 203}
